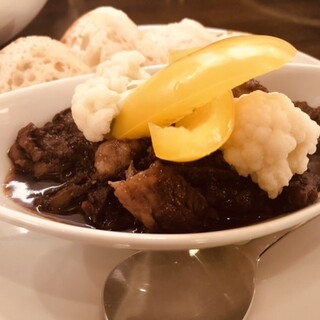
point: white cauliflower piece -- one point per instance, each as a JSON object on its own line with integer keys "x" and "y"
{"x": 97, "y": 101}
{"x": 123, "y": 66}
{"x": 271, "y": 140}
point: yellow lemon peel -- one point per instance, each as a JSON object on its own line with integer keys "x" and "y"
{"x": 198, "y": 134}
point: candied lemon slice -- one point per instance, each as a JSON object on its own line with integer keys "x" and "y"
{"x": 193, "y": 80}
{"x": 198, "y": 134}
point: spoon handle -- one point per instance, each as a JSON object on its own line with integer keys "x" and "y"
{"x": 257, "y": 247}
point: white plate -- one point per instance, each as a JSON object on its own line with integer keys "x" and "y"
{"x": 288, "y": 282}
{"x": 45, "y": 278}
{"x": 38, "y": 103}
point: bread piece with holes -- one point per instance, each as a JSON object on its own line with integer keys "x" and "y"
{"x": 104, "y": 31}
{"x": 36, "y": 59}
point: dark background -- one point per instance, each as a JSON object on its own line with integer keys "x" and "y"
{"x": 297, "y": 21}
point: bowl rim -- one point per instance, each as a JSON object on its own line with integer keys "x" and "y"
{"x": 146, "y": 241}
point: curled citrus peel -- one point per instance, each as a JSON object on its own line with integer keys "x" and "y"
{"x": 198, "y": 134}
{"x": 192, "y": 82}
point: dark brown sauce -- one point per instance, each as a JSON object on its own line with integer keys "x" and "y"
{"x": 23, "y": 190}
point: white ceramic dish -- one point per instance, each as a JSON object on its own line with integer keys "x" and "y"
{"x": 15, "y": 15}
{"x": 39, "y": 103}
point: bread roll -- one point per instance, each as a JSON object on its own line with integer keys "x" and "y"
{"x": 104, "y": 31}
{"x": 37, "y": 59}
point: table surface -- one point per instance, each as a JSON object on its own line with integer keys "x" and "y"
{"x": 296, "y": 21}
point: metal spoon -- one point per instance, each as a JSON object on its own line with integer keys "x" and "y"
{"x": 216, "y": 283}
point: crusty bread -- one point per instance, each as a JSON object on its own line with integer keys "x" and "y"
{"x": 90, "y": 40}
{"x": 37, "y": 59}
{"x": 104, "y": 31}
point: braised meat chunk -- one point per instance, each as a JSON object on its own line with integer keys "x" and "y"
{"x": 302, "y": 191}
{"x": 314, "y": 113}
{"x": 66, "y": 196}
{"x": 103, "y": 210}
{"x": 53, "y": 151}
{"x": 162, "y": 200}
{"x": 114, "y": 156}
{"x": 248, "y": 87}
{"x": 234, "y": 198}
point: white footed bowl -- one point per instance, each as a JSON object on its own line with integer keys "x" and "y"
{"x": 39, "y": 103}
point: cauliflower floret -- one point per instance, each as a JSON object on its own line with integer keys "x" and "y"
{"x": 271, "y": 140}
{"x": 97, "y": 101}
